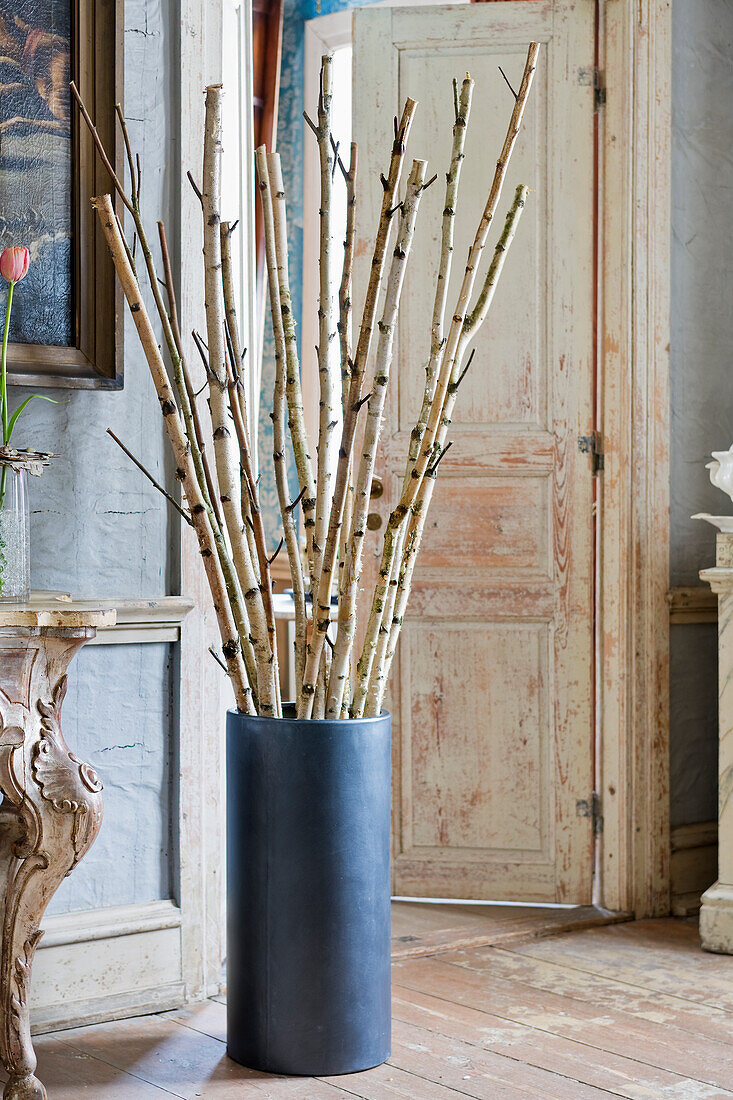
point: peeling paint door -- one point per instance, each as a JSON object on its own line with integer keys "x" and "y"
{"x": 492, "y": 691}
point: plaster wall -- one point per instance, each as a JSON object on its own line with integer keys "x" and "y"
{"x": 701, "y": 359}
{"x": 100, "y": 529}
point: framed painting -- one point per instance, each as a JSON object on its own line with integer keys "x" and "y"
{"x": 66, "y": 325}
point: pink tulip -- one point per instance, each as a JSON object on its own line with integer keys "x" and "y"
{"x": 14, "y": 263}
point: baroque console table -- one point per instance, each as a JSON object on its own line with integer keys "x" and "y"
{"x": 51, "y": 807}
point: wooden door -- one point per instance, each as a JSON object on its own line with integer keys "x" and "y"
{"x": 492, "y": 692}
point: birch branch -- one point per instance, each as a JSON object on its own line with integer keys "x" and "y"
{"x": 195, "y": 436}
{"x": 177, "y": 358}
{"x": 258, "y": 531}
{"x": 455, "y": 332}
{"x": 290, "y": 531}
{"x": 378, "y": 671}
{"x": 345, "y": 304}
{"x": 232, "y": 324}
{"x": 226, "y": 465}
{"x": 186, "y": 375}
{"x": 394, "y": 535}
{"x": 450, "y": 358}
{"x": 327, "y": 421}
{"x": 293, "y": 392}
{"x": 344, "y": 329}
{"x": 322, "y": 597}
{"x": 237, "y": 365}
{"x": 421, "y": 506}
{"x": 385, "y": 349}
{"x": 393, "y": 540}
{"x": 475, "y": 319}
{"x": 184, "y": 466}
{"x": 132, "y": 203}
{"x": 452, "y": 183}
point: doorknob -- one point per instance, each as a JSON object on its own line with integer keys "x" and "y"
{"x": 374, "y": 521}
{"x": 377, "y": 489}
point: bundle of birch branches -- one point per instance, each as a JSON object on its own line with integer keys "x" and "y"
{"x": 324, "y": 525}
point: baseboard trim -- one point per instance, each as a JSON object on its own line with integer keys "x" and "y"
{"x": 99, "y": 1010}
{"x": 107, "y": 963}
{"x": 691, "y": 605}
{"x": 694, "y": 865}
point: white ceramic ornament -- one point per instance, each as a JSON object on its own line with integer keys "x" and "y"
{"x": 721, "y": 471}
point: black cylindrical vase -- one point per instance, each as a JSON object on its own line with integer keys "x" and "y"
{"x": 308, "y": 893}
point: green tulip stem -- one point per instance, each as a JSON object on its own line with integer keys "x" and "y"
{"x": 6, "y": 333}
{"x": 6, "y": 439}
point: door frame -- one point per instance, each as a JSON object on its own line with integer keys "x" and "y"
{"x": 634, "y": 417}
{"x": 204, "y": 693}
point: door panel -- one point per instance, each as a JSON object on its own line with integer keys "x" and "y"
{"x": 492, "y": 690}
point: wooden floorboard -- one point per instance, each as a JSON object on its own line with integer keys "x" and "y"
{"x": 633, "y": 1010}
{"x": 663, "y": 959}
{"x": 619, "y": 1033}
{"x": 568, "y": 1058}
{"x": 623, "y": 993}
{"x": 420, "y": 928}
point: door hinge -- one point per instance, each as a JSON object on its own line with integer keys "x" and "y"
{"x": 592, "y": 808}
{"x": 593, "y": 445}
{"x": 594, "y": 77}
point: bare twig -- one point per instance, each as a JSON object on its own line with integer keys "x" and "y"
{"x": 218, "y": 659}
{"x": 506, "y": 80}
{"x": 195, "y": 187}
{"x": 279, "y": 547}
{"x": 172, "y": 500}
{"x": 134, "y": 176}
{"x": 433, "y": 467}
{"x": 100, "y": 148}
{"x": 294, "y": 504}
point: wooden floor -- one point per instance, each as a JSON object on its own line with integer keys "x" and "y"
{"x": 633, "y": 1009}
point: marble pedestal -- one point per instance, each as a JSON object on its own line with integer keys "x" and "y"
{"x": 716, "y": 914}
{"x": 51, "y": 806}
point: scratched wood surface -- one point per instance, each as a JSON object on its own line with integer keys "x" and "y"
{"x": 491, "y": 696}
{"x": 427, "y": 929}
{"x": 635, "y": 1010}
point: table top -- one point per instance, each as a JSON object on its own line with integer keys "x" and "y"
{"x": 56, "y": 611}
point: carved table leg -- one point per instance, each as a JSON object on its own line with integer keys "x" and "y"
{"x": 50, "y": 815}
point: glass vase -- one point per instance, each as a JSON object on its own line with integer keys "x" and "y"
{"x": 15, "y": 558}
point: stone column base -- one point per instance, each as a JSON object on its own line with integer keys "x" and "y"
{"x": 716, "y": 919}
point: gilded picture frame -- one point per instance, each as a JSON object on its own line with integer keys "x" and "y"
{"x": 67, "y": 316}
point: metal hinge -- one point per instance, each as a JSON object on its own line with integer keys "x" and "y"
{"x": 594, "y": 77}
{"x": 593, "y": 445}
{"x": 591, "y": 808}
